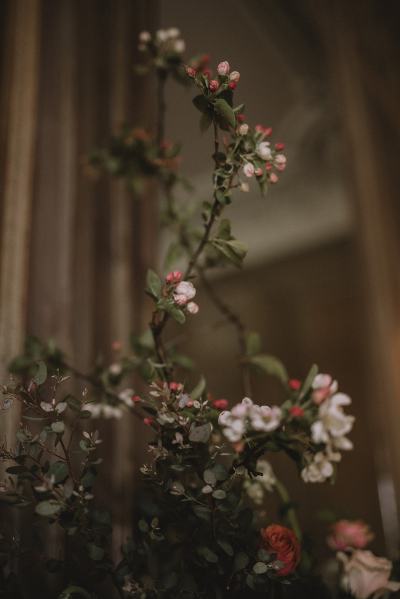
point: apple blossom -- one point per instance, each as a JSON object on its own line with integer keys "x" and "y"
{"x": 223, "y": 68}
{"x": 144, "y": 37}
{"x": 185, "y": 288}
{"x": 192, "y": 308}
{"x": 273, "y": 178}
{"x": 174, "y": 276}
{"x": 213, "y": 85}
{"x": 191, "y": 72}
{"x": 234, "y": 76}
{"x": 263, "y": 150}
{"x": 248, "y": 169}
{"x": 280, "y": 162}
{"x": 179, "y": 46}
{"x": 243, "y": 129}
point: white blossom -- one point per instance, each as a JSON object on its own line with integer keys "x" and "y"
{"x": 234, "y": 76}
{"x": 184, "y": 292}
{"x": 223, "y": 68}
{"x": 144, "y": 37}
{"x": 247, "y": 416}
{"x": 192, "y": 308}
{"x": 248, "y": 169}
{"x": 263, "y": 150}
{"x": 243, "y": 129}
{"x": 103, "y": 410}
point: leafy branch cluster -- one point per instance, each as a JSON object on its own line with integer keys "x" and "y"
{"x": 198, "y": 528}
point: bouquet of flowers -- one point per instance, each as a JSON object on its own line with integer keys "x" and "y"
{"x": 200, "y": 530}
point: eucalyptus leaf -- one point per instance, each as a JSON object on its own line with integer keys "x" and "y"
{"x": 41, "y": 373}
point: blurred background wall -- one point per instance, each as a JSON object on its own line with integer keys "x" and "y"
{"x": 322, "y": 276}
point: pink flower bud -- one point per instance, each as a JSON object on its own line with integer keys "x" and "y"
{"x": 148, "y": 421}
{"x": 279, "y": 146}
{"x": 273, "y": 178}
{"x": 268, "y": 166}
{"x": 220, "y": 404}
{"x": 213, "y": 85}
{"x": 296, "y": 412}
{"x": 234, "y": 76}
{"x": 223, "y": 68}
{"x": 243, "y": 129}
{"x": 248, "y": 169}
{"x": 295, "y": 384}
{"x": 192, "y": 308}
{"x": 136, "y": 398}
{"x": 190, "y": 72}
{"x": 207, "y": 73}
{"x": 258, "y": 172}
{"x": 175, "y": 387}
{"x": 232, "y": 85}
{"x": 240, "y": 118}
{"x": 174, "y": 276}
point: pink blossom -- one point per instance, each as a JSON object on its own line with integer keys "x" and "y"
{"x": 223, "y": 68}
{"x": 349, "y": 534}
{"x": 192, "y": 308}
{"x": 280, "y": 162}
{"x": 220, "y": 404}
{"x": 248, "y": 169}
{"x": 190, "y": 72}
{"x": 296, "y": 411}
{"x": 213, "y": 85}
{"x": 174, "y": 276}
{"x": 273, "y": 178}
{"x": 258, "y": 172}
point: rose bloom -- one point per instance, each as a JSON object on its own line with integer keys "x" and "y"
{"x": 349, "y": 534}
{"x": 365, "y": 574}
{"x": 284, "y": 544}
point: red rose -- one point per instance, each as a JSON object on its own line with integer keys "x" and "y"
{"x": 284, "y": 544}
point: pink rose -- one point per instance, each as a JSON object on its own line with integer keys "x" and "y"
{"x": 348, "y": 534}
{"x": 223, "y": 68}
{"x": 367, "y": 575}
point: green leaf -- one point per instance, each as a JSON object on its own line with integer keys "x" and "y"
{"x": 235, "y": 251}
{"x": 260, "y": 568}
{"x": 59, "y": 470}
{"x": 198, "y": 390}
{"x": 308, "y": 381}
{"x": 270, "y": 365}
{"x": 224, "y": 230}
{"x": 227, "y": 547}
{"x": 224, "y": 111}
{"x": 219, "y": 494}
{"x": 41, "y": 373}
{"x": 220, "y": 472}
{"x": 57, "y": 427}
{"x": 154, "y": 284}
{"x": 206, "y": 120}
{"x": 48, "y": 508}
{"x": 201, "y": 103}
{"x": 95, "y": 552}
{"x": 253, "y": 343}
{"x": 209, "y": 477}
{"x": 200, "y": 434}
{"x": 72, "y": 591}
{"x": 208, "y": 555}
{"x": 177, "y": 314}
{"x": 241, "y": 561}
